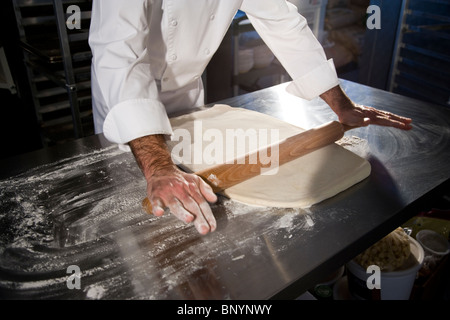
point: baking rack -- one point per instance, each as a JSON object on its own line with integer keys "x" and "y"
{"x": 57, "y": 59}
{"x": 421, "y": 64}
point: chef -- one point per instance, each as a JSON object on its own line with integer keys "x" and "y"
{"x": 148, "y": 58}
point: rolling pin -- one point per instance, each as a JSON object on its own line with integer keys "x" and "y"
{"x": 223, "y": 176}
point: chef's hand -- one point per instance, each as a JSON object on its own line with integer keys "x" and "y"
{"x": 185, "y": 195}
{"x": 354, "y": 114}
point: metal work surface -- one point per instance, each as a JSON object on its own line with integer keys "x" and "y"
{"x": 80, "y": 204}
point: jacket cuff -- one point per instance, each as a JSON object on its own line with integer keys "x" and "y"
{"x": 133, "y": 119}
{"x": 316, "y": 82}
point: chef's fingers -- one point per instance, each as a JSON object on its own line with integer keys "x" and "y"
{"x": 186, "y": 196}
{"x": 206, "y": 221}
{"x": 209, "y": 217}
{"x": 396, "y": 117}
{"x": 157, "y": 207}
{"x": 383, "y": 121}
{"x": 207, "y": 191}
{"x": 188, "y": 210}
{"x": 178, "y": 210}
{"x": 370, "y": 111}
{"x": 384, "y": 118}
{"x": 194, "y": 202}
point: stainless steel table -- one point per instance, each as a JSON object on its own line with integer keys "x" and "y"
{"x": 79, "y": 205}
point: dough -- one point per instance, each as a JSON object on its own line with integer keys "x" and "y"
{"x": 303, "y": 182}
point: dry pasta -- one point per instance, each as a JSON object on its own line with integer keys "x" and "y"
{"x": 389, "y": 253}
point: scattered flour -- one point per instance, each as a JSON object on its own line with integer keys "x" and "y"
{"x": 86, "y": 210}
{"x": 285, "y": 221}
{"x": 355, "y": 144}
{"x": 213, "y": 179}
{"x": 95, "y": 292}
{"x": 238, "y": 257}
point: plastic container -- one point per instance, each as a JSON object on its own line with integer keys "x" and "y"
{"x": 245, "y": 60}
{"x": 394, "y": 285}
{"x": 314, "y": 12}
{"x": 262, "y": 56}
{"x": 309, "y": 4}
{"x": 433, "y": 243}
{"x": 333, "y": 277}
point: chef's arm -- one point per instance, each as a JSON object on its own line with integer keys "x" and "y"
{"x": 287, "y": 34}
{"x": 124, "y": 87}
{"x": 354, "y": 114}
{"x": 186, "y": 195}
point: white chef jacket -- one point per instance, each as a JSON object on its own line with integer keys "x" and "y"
{"x": 149, "y": 55}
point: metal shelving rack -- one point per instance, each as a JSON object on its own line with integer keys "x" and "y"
{"x": 58, "y": 61}
{"x": 312, "y": 10}
{"x": 6, "y": 79}
{"x": 248, "y": 81}
{"x": 421, "y": 64}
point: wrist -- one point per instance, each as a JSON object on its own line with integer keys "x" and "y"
{"x": 152, "y": 155}
{"x": 337, "y": 99}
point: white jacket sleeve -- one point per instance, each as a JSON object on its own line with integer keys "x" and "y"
{"x": 124, "y": 91}
{"x": 287, "y": 34}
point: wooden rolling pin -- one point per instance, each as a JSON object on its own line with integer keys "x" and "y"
{"x": 223, "y": 176}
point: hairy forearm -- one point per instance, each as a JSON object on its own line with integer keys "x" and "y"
{"x": 336, "y": 99}
{"x": 152, "y": 154}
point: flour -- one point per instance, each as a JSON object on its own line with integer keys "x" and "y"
{"x": 25, "y": 199}
{"x": 95, "y": 292}
{"x": 86, "y": 211}
{"x": 309, "y": 221}
{"x": 33, "y": 285}
{"x": 242, "y": 256}
{"x": 213, "y": 179}
{"x": 285, "y": 221}
{"x": 355, "y": 144}
{"x": 236, "y": 208}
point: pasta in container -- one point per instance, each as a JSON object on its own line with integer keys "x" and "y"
{"x": 389, "y": 253}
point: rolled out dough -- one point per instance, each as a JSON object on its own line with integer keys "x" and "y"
{"x": 300, "y": 183}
